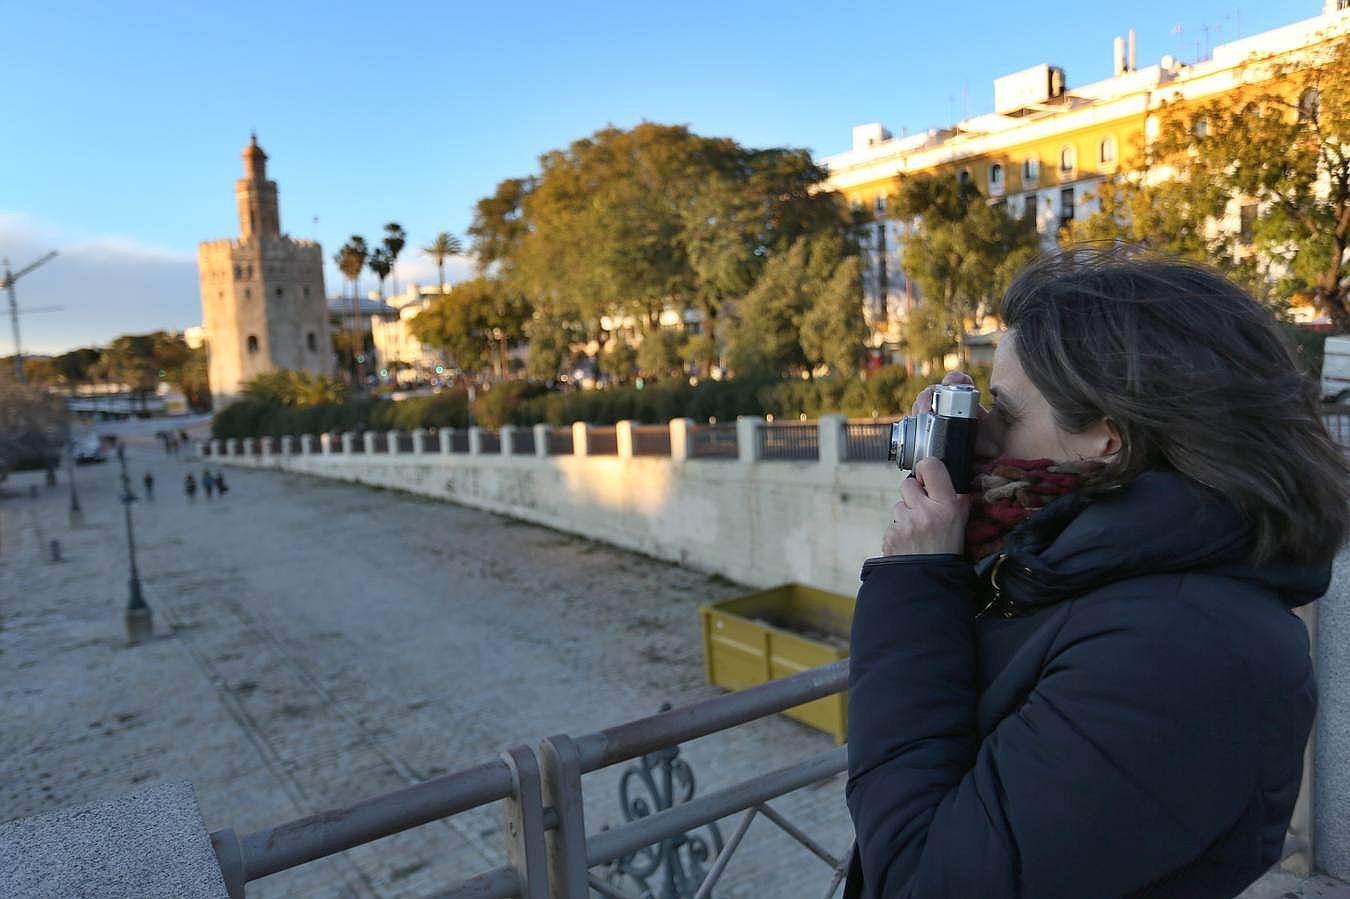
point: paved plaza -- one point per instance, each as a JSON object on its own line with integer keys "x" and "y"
{"x": 318, "y": 643}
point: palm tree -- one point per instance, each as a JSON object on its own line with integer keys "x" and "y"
{"x": 380, "y": 262}
{"x": 350, "y": 260}
{"x": 444, "y": 245}
{"x": 395, "y": 239}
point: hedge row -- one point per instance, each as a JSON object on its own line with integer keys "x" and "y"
{"x": 886, "y": 393}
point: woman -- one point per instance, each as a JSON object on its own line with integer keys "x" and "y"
{"x": 1084, "y": 679}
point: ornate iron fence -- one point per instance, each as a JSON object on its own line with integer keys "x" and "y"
{"x": 522, "y": 442}
{"x": 602, "y": 441}
{"x": 551, "y": 853}
{"x": 560, "y": 441}
{"x": 404, "y": 442}
{"x": 713, "y": 441}
{"x": 379, "y": 442}
{"x": 459, "y": 440}
{"x": 866, "y": 441}
{"x": 651, "y": 440}
{"x": 489, "y": 441}
{"x": 431, "y": 443}
{"x": 799, "y": 442}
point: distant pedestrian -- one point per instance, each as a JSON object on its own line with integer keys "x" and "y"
{"x": 221, "y": 486}
{"x": 209, "y": 482}
{"x": 190, "y": 487}
{"x": 149, "y": 482}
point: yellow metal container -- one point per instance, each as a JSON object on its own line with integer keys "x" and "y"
{"x": 758, "y": 637}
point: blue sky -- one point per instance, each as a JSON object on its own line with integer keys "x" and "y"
{"x": 123, "y": 123}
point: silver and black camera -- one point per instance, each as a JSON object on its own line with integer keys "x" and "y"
{"x": 947, "y": 431}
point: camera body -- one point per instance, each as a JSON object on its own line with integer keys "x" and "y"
{"x": 947, "y": 431}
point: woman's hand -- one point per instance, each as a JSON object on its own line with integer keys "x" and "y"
{"x": 930, "y": 518}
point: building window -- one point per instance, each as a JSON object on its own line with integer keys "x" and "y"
{"x": 248, "y": 293}
{"x": 1106, "y": 153}
{"x": 281, "y": 291}
{"x": 1031, "y": 169}
{"x": 1029, "y": 211}
{"x": 1068, "y": 159}
{"x": 1309, "y": 105}
{"x": 238, "y": 273}
{"x": 1202, "y": 128}
{"x": 305, "y": 290}
{"x": 964, "y": 177}
{"x": 252, "y": 345}
{"x": 1247, "y": 223}
{"x": 881, "y": 203}
{"x": 312, "y": 342}
{"x": 1065, "y": 207}
{"x": 996, "y": 176}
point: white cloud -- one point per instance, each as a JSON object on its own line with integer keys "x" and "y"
{"x": 106, "y": 285}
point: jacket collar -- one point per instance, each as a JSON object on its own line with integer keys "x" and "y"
{"x": 1162, "y": 522}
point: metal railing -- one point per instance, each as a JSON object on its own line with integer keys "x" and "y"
{"x": 550, "y": 850}
{"x": 651, "y": 440}
{"x": 560, "y": 441}
{"x": 404, "y": 442}
{"x": 798, "y": 442}
{"x": 866, "y": 441}
{"x": 459, "y": 440}
{"x": 431, "y": 443}
{"x": 379, "y": 443}
{"x": 522, "y": 442}
{"x": 602, "y": 440}
{"x": 713, "y": 442}
{"x": 489, "y": 441}
{"x": 335, "y": 443}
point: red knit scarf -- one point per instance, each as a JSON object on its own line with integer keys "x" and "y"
{"x": 1010, "y": 491}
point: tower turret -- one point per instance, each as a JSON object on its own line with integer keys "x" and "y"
{"x": 258, "y": 211}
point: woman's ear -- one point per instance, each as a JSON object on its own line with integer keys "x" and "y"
{"x": 1107, "y": 437}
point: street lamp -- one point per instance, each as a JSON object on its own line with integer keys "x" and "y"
{"x": 76, "y": 513}
{"x": 140, "y": 624}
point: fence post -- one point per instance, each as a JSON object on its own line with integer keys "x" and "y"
{"x": 234, "y": 447}
{"x": 419, "y": 436}
{"x": 560, "y": 764}
{"x": 523, "y": 814}
{"x": 216, "y": 448}
{"x": 679, "y": 438}
{"x": 541, "y": 441}
{"x": 623, "y": 438}
{"x": 508, "y": 438}
{"x": 475, "y": 441}
{"x": 391, "y": 442}
{"x": 447, "y": 436}
{"x": 348, "y": 441}
{"x": 579, "y": 434}
{"x": 747, "y": 437}
{"x": 368, "y": 441}
{"x": 325, "y": 443}
{"x": 832, "y": 431}
{"x": 287, "y": 445}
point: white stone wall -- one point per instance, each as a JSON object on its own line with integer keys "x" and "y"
{"x": 761, "y": 523}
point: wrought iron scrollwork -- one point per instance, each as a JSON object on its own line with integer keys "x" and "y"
{"x": 673, "y": 868}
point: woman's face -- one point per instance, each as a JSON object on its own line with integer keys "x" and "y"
{"x": 1021, "y": 425}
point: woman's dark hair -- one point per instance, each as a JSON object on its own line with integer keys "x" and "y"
{"x": 1195, "y": 376}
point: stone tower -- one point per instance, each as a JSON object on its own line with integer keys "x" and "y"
{"x": 263, "y": 304}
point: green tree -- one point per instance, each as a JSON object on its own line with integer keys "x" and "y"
{"x": 1276, "y": 147}
{"x": 34, "y": 424}
{"x": 444, "y": 246}
{"x": 659, "y": 353}
{"x": 619, "y": 360}
{"x": 964, "y": 252}
{"x": 351, "y": 259}
{"x": 476, "y": 322}
{"x": 395, "y": 239}
{"x": 77, "y": 366}
{"x": 812, "y": 283}
{"x": 380, "y": 265}
{"x": 550, "y": 344}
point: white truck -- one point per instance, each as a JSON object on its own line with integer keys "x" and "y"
{"x": 1336, "y": 370}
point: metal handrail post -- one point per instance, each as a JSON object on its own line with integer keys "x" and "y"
{"x": 523, "y": 816}
{"x": 567, "y": 870}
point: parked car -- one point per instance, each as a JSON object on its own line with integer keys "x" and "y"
{"x": 1336, "y": 369}
{"x": 88, "y": 449}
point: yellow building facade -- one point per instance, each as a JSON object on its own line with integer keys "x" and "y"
{"x": 1046, "y": 148}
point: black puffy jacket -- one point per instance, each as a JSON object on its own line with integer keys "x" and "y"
{"x": 1119, "y": 709}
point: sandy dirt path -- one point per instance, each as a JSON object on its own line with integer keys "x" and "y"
{"x": 319, "y": 643}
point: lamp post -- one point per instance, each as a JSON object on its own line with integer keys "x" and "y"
{"x": 140, "y": 624}
{"x": 76, "y": 513}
